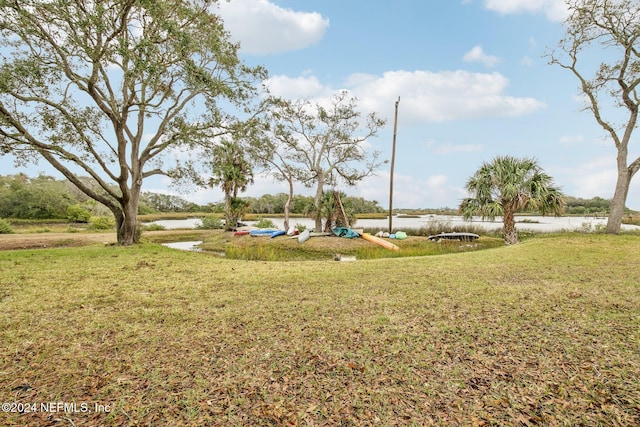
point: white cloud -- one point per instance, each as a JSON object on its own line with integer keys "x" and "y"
{"x": 526, "y": 62}
{"x": 297, "y": 87}
{"x": 449, "y": 148}
{"x": 555, "y": 10}
{"x": 477, "y": 55}
{"x": 596, "y": 177}
{"x": 443, "y": 96}
{"x": 264, "y": 28}
{"x": 409, "y": 192}
{"x": 425, "y": 96}
{"x": 570, "y": 141}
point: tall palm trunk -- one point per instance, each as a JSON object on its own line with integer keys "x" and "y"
{"x": 509, "y": 228}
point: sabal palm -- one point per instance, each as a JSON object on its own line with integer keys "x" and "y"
{"x": 232, "y": 172}
{"x": 507, "y": 185}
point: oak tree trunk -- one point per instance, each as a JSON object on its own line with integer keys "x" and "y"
{"x": 287, "y": 206}
{"x": 614, "y": 223}
{"x": 126, "y": 224}
{"x": 318, "y": 201}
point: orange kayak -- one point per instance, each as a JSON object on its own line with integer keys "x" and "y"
{"x": 379, "y": 241}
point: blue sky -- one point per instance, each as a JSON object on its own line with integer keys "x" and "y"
{"x": 471, "y": 77}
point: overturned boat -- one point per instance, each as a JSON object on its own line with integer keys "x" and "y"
{"x": 463, "y": 237}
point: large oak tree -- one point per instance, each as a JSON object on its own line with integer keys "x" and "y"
{"x": 611, "y": 89}
{"x": 108, "y": 89}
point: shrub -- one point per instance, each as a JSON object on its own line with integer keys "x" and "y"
{"x": 153, "y": 227}
{"x": 436, "y": 226}
{"x": 265, "y": 223}
{"x": 5, "y": 227}
{"x": 101, "y": 223}
{"x": 76, "y": 213}
{"x": 210, "y": 223}
{"x": 588, "y": 227}
{"x": 72, "y": 229}
{"x": 300, "y": 227}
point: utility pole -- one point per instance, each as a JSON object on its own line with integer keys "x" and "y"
{"x": 393, "y": 162}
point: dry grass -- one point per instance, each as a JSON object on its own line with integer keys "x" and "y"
{"x": 543, "y": 333}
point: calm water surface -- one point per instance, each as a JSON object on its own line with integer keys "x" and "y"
{"x": 533, "y": 223}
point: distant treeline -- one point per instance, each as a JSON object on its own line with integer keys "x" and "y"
{"x": 594, "y": 206}
{"x": 45, "y": 197}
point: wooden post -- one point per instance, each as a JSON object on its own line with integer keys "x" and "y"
{"x": 343, "y": 216}
{"x": 393, "y": 161}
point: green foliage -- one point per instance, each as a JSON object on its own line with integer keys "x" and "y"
{"x": 579, "y": 206}
{"x": 330, "y": 211}
{"x": 42, "y": 197}
{"x": 144, "y": 209}
{"x": 137, "y": 234}
{"x": 265, "y": 223}
{"x": 101, "y": 223}
{"x": 210, "y": 222}
{"x": 153, "y": 227}
{"x": 588, "y": 227}
{"x": 271, "y": 204}
{"x": 508, "y": 185}
{"x": 71, "y": 229}
{"x": 232, "y": 171}
{"x": 89, "y": 85}
{"x": 157, "y": 202}
{"x": 5, "y": 227}
{"x": 436, "y": 226}
{"x": 76, "y": 213}
{"x": 22, "y": 197}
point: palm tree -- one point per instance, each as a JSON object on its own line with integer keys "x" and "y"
{"x": 508, "y": 185}
{"x": 232, "y": 172}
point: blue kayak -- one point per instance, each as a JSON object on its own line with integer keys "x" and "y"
{"x": 262, "y": 232}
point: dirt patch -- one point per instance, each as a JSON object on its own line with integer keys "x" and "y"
{"x": 53, "y": 240}
{"x": 60, "y": 240}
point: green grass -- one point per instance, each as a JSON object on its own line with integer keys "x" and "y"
{"x": 326, "y": 248}
{"x": 542, "y": 333}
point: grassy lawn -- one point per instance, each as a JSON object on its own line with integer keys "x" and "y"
{"x": 546, "y": 332}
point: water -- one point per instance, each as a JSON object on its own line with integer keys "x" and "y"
{"x": 185, "y": 246}
{"x": 173, "y": 224}
{"x": 532, "y": 223}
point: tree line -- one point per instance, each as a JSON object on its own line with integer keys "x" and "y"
{"x": 44, "y": 197}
